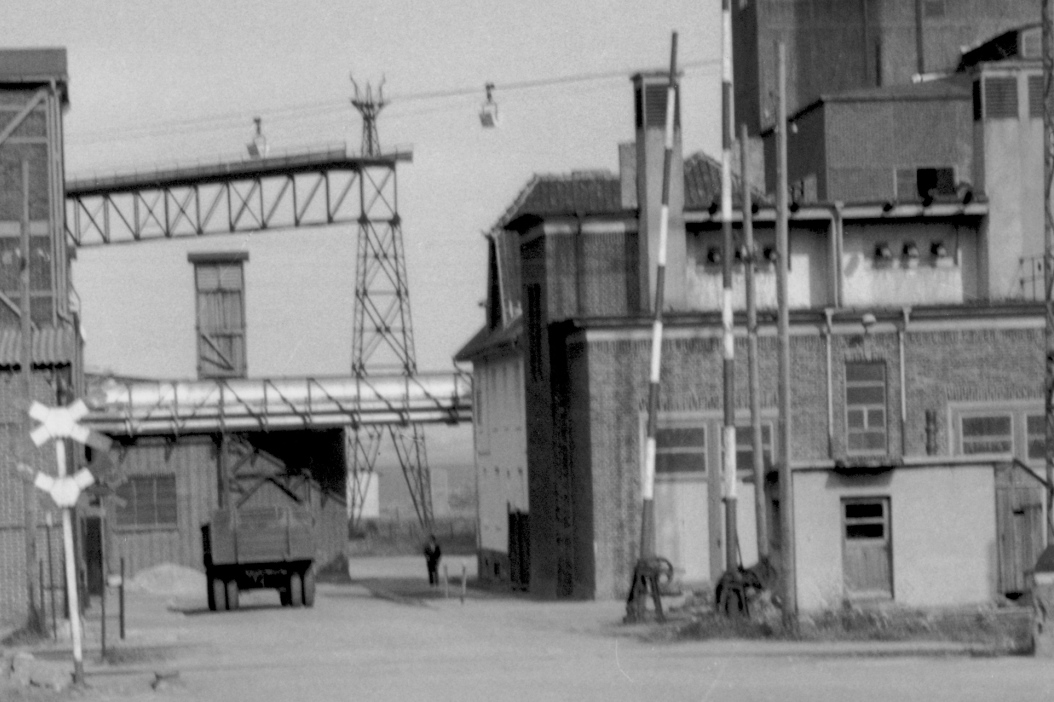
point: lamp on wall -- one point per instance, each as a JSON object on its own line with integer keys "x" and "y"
{"x": 770, "y": 254}
{"x": 713, "y": 255}
{"x": 911, "y": 250}
{"x": 938, "y": 249}
{"x": 869, "y": 321}
{"x": 883, "y": 252}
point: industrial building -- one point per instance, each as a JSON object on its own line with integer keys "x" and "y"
{"x": 247, "y": 328}
{"x": 40, "y": 356}
{"x": 916, "y": 354}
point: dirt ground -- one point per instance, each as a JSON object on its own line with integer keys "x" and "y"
{"x": 388, "y": 636}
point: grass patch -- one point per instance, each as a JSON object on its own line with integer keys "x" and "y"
{"x": 1003, "y": 631}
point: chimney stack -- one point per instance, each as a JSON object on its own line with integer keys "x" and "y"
{"x": 649, "y": 97}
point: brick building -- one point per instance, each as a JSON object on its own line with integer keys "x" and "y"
{"x": 916, "y": 344}
{"x": 33, "y": 96}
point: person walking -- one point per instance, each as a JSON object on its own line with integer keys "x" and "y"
{"x": 432, "y": 555}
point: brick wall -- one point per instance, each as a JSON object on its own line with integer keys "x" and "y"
{"x": 15, "y": 447}
{"x": 942, "y": 366}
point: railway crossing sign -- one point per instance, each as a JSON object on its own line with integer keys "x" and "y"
{"x": 61, "y": 423}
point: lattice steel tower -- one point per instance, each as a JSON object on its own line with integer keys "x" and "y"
{"x": 383, "y": 338}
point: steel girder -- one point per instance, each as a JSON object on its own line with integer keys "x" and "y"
{"x": 383, "y": 340}
{"x": 308, "y": 190}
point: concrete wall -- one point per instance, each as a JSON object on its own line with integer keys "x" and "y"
{"x": 501, "y": 450}
{"x": 138, "y": 304}
{"x": 927, "y": 280}
{"x": 1012, "y": 173}
{"x": 942, "y": 530}
{"x": 808, "y": 283}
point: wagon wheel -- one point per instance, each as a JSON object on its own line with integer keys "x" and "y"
{"x": 232, "y": 594}
{"x": 309, "y": 587}
{"x": 217, "y": 595}
{"x": 296, "y": 590}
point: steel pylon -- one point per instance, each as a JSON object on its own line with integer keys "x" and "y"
{"x": 383, "y": 338}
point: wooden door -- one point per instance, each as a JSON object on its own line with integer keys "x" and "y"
{"x": 866, "y": 547}
{"x": 1019, "y": 528}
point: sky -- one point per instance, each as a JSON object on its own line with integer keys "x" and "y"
{"x": 156, "y": 84}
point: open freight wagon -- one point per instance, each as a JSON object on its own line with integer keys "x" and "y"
{"x": 259, "y": 547}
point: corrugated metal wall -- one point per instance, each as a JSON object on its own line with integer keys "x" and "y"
{"x": 192, "y": 461}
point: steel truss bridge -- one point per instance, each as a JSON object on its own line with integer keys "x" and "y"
{"x": 383, "y": 397}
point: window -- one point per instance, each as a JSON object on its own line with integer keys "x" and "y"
{"x": 1035, "y": 96}
{"x": 987, "y": 434}
{"x": 865, "y": 519}
{"x": 1000, "y": 98}
{"x": 745, "y": 447}
{"x": 1037, "y": 437}
{"x": 220, "y": 286}
{"x": 865, "y": 402}
{"x": 149, "y": 501}
{"x": 680, "y": 447}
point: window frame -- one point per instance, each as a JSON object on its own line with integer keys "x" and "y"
{"x": 201, "y": 261}
{"x": 698, "y": 423}
{"x": 767, "y": 447}
{"x": 866, "y": 408}
{"x": 884, "y": 520}
{"x": 132, "y": 506}
{"x": 985, "y": 438}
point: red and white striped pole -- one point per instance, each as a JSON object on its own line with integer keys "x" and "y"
{"x": 728, "y": 436}
{"x": 647, "y": 532}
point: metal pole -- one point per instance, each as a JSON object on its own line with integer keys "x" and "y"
{"x": 728, "y": 436}
{"x": 1048, "y": 249}
{"x": 29, "y": 497}
{"x": 760, "y": 513}
{"x": 647, "y": 531}
{"x": 71, "y": 572}
{"x": 51, "y": 577}
{"x": 790, "y": 604}
{"x": 120, "y": 602}
{"x": 105, "y": 573}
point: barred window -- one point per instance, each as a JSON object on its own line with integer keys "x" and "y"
{"x": 987, "y": 434}
{"x": 745, "y": 447}
{"x": 149, "y": 501}
{"x": 680, "y": 446}
{"x": 865, "y": 402}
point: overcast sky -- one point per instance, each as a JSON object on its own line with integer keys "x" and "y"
{"x": 161, "y": 83}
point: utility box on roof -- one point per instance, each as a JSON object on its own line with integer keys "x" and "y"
{"x": 259, "y": 547}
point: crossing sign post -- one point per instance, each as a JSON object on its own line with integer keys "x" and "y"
{"x": 61, "y": 423}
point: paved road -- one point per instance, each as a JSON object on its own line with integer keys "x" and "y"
{"x": 413, "y": 645}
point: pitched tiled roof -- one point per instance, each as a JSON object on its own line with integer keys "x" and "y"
{"x": 600, "y": 192}
{"x": 52, "y": 346}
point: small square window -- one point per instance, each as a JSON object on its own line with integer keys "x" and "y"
{"x": 745, "y": 447}
{"x": 680, "y": 447}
